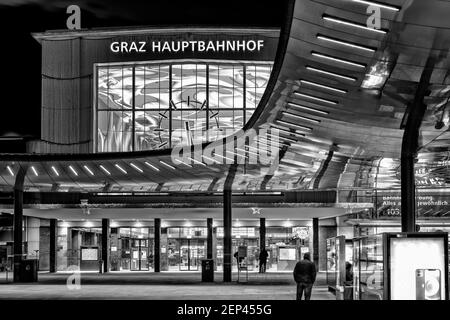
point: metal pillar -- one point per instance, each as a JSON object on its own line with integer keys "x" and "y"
{"x": 157, "y": 243}
{"x": 262, "y": 234}
{"x": 316, "y": 241}
{"x": 106, "y": 231}
{"x": 18, "y": 227}
{"x": 53, "y": 231}
{"x": 414, "y": 116}
{"x": 209, "y": 240}
{"x": 227, "y": 243}
{"x": 18, "y": 223}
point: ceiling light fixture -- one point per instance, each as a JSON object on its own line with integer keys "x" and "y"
{"x": 88, "y": 170}
{"x": 302, "y": 107}
{"x": 105, "y": 170}
{"x": 181, "y": 162}
{"x": 378, "y": 4}
{"x": 294, "y": 125}
{"x": 151, "y": 166}
{"x": 167, "y": 165}
{"x": 301, "y": 117}
{"x": 120, "y": 168}
{"x": 335, "y": 59}
{"x": 55, "y": 171}
{"x": 34, "y": 171}
{"x": 344, "y": 43}
{"x": 136, "y": 167}
{"x": 315, "y": 84}
{"x": 337, "y": 75}
{"x": 291, "y": 132}
{"x": 315, "y": 98}
{"x": 10, "y": 170}
{"x": 210, "y": 159}
{"x": 73, "y": 170}
{"x": 352, "y": 24}
{"x": 196, "y": 161}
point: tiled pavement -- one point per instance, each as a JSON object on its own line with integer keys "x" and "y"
{"x": 165, "y": 286}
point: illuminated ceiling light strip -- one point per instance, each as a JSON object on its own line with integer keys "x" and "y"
{"x": 55, "y": 171}
{"x": 378, "y": 4}
{"x": 34, "y": 171}
{"x": 167, "y": 165}
{"x": 315, "y": 84}
{"x": 88, "y": 170}
{"x": 315, "y": 98}
{"x": 280, "y": 137}
{"x": 151, "y": 166}
{"x": 295, "y": 133}
{"x": 331, "y": 58}
{"x": 105, "y": 170}
{"x": 120, "y": 168}
{"x": 301, "y": 117}
{"x": 211, "y": 159}
{"x": 352, "y": 24}
{"x": 196, "y": 161}
{"x": 10, "y": 170}
{"x": 236, "y": 154}
{"x": 270, "y": 143}
{"x": 337, "y": 75}
{"x": 243, "y": 150}
{"x": 344, "y": 43}
{"x": 299, "y": 106}
{"x": 136, "y": 167}
{"x": 294, "y": 125}
{"x": 181, "y": 162}
{"x": 73, "y": 170}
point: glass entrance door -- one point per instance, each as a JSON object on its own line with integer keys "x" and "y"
{"x": 139, "y": 255}
{"x": 191, "y": 253}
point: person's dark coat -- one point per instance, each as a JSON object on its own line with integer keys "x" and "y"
{"x": 263, "y": 256}
{"x": 305, "y": 272}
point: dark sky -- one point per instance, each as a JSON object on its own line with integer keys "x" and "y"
{"x": 21, "y": 54}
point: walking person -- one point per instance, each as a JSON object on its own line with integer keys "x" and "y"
{"x": 263, "y": 260}
{"x": 305, "y": 276}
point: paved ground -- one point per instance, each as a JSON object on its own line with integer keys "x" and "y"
{"x": 165, "y": 286}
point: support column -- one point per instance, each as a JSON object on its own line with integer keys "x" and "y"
{"x": 18, "y": 226}
{"x": 316, "y": 241}
{"x": 414, "y": 115}
{"x": 52, "y": 255}
{"x": 106, "y": 242}
{"x": 157, "y": 242}
{"x": 209, "y": 239}
{"x": 262, "y": 234}
{"x": 227, "y": 243}
{"x": 18, "y": 222}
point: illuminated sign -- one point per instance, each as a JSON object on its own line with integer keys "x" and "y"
{"x": 187, "y": 46}
{"x": 428, "y": 205}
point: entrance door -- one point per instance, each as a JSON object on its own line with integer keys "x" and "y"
{"x": 139, "y": 254}
{"x": 191, "y": 252}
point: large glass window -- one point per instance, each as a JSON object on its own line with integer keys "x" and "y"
{"x": 155, "y": 106}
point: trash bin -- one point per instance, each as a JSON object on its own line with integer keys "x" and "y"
{"x": 28, "y": 270}
{"x": 100, "y": 266}
{"x": 208, "y": 270}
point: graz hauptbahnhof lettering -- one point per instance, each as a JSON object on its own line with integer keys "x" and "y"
{"x": 194, "y": 46}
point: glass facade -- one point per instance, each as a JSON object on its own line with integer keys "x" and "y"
{"x": 155, "y": 106}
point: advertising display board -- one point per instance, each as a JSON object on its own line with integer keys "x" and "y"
{"x": 287, "y": 254}
{"x": 417, "y": 266}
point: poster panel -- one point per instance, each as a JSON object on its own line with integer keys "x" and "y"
{"x": 417, "y": 268}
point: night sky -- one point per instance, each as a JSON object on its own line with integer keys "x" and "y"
{"x": 21, "y": 54}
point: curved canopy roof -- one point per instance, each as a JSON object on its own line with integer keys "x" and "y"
{"x": 339, "y": 94}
